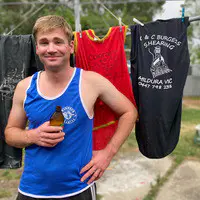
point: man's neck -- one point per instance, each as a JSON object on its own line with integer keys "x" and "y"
{"x": 60, "y": 76}
{"x": 53, "y": 83}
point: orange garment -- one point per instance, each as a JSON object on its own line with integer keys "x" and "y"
{"x": 107, "y": 57}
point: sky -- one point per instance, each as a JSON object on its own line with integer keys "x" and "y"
{"x": 171, "y": 9}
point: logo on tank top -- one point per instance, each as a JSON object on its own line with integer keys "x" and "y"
{"x": 69, "y": 114}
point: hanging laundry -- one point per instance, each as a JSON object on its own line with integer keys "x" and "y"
{"x": 159, "y": 66}
{"x": 17, "y": 61}
{"x": 107, "y": 57}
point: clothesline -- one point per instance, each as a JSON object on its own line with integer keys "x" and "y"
{"x": 10, "y": 32}
{"x": 109, "y": 11}
{"x": 192, "y": 19}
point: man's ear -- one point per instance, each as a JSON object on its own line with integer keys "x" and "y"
{"x": 36, "y": 49}
{"x": 72, "y": 47}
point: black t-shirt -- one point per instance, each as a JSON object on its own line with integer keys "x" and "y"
{"x": 17, "y": 61}
{"x": 159, "y": 66}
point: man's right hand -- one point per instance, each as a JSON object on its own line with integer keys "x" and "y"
{"x": 46, "y": 135}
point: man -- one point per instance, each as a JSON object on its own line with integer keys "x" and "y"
{"x": 59, "y": 162}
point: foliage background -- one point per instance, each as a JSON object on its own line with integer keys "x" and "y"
{"x": 192, "y": 8}
{"x": 93, "y": 15}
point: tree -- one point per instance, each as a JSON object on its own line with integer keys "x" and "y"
{"x": 192, "y": 9}
{"x": 97, "y": 17}
{"x": 20, "y": 15}
{"x": 93, "y": 15}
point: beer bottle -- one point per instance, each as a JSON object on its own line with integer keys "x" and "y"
{"x": 57, "y": 119}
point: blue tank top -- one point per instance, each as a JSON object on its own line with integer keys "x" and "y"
{"x": 55, "y": 172}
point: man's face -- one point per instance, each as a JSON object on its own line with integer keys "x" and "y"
{"x": 53, "y": 48}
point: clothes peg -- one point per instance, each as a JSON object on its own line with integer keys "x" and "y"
{"x": 80, "y": 30}
{"x": 183, "y": 13}
{"x": 120, "y": 24}
{"x": 138, "y": 22}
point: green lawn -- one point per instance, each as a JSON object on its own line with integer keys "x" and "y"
{"x": 185, "y": 149}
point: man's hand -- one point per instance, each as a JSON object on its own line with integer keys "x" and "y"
{"x": 96, "y": 167}
{"x": 46, "y": 135}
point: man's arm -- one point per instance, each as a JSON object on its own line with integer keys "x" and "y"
{"x": 127, "y": 116}
{"x": 15, "y": 133}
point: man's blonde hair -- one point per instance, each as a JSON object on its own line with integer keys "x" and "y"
{"x": 51, "y": 22}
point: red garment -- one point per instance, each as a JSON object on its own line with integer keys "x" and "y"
{"x": 107, "y": 57}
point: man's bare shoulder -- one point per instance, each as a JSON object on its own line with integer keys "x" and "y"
{"x": 97, "y": 83}
{"x": 23, "y": 84}
{"x": 20, "y": 91}
{"x": 92, "y": 77}
{"x": 90, "y": 74}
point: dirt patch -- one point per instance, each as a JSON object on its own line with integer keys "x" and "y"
{"x": 9, "y": 181}
{"x": 9, "y": 189}
{"x": 191, "y": 103}
{"x": 187, "y": 128}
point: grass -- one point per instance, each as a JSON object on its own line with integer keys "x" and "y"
{"x": 185, "y": 149}
{"x": 4, "y": 194}
{"x": 193, "y": 98}
{"x": 10, "y": 175}
{"x": 9, "y": 180}
{"x": 190, "y": 116}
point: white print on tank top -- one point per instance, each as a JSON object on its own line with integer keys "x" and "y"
{"x": 158, "y": 67}
{"x": 69, "y": 114}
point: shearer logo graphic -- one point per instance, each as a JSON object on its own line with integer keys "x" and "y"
{"x": 158, "y": 66}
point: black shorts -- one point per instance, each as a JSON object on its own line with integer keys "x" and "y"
{"x": 89, "y": 194}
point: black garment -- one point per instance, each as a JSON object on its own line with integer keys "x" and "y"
{"x": 17, "y": 61}
{"x": 89, "y": 194}
{"x": 159, "y": 66}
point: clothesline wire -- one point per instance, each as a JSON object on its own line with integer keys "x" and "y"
{"x": 194, "y": 19}
{"x": 191, "y": 19}
{"x": 10, "y": 32}
{"x": 110, "y": 12}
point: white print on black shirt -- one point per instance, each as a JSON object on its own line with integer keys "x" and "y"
{"x": 160, "y": 40}
{"x": 154, "y": 44}
{"x": 158, "y": 84}
{"x": 158, "y": 66}
{"x": 10, "y": 81}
